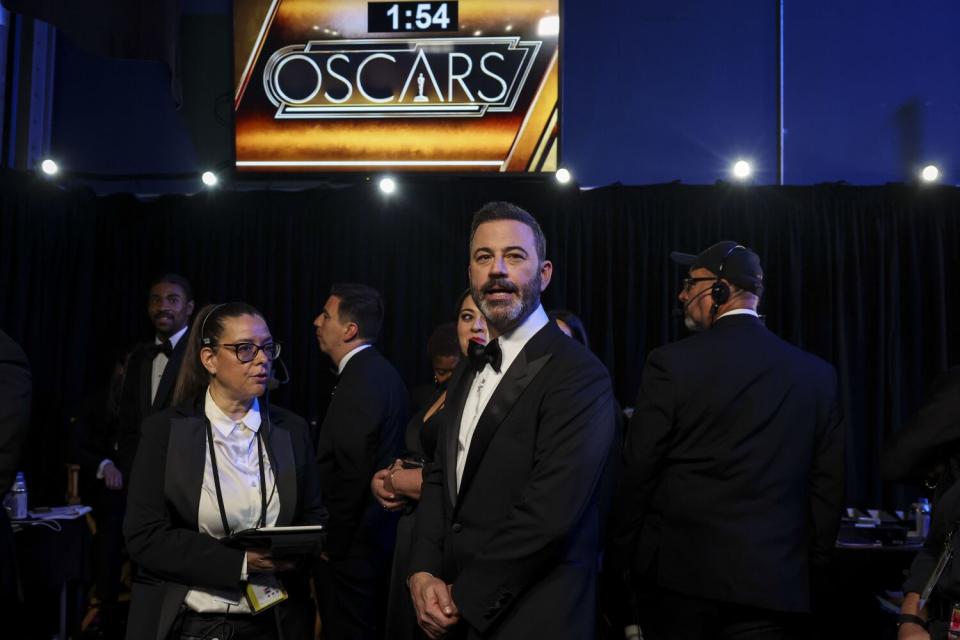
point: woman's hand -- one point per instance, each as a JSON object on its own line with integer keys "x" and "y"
{"x": 385, "y": 495}
{"x": 260, "y": 561}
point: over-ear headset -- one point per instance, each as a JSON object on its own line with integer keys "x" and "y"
{"x": 208, "y": 342}
{"x": 720, "y": 292}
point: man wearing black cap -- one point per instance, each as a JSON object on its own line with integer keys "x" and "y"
{"x": 732, "y": 483}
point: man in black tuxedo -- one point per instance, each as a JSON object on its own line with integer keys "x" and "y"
{"x": 148, "y": 380}
{"x": 732, "y": 481}
{"x": 361, "y": 433}
{"x": 508, "y": 531}
{"x": 15, "y": 391}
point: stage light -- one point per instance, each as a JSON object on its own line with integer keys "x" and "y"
{"x": 478, "y": 33}
{"x": 209, "y": 178}
{"x": 549, "y": 26}
{"x": 930, "y": 173}
{"x": 742, "y": 170}
{"x": 49, "y": 167}
{"x": 388, "y": 185}
{"x": 509, "y": 28}
{"x": 563, "y": 176}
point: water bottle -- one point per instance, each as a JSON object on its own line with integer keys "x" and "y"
{"x": 16, "y": 502}
{"x": 921, "y": 513}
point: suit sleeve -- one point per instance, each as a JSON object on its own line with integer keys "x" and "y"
{"x": 927, "y": 437}
{"x": 576, "y": 430}
{"x": 168, "y": 551}
{"x": 15, "y": 391}
{"x": 350, "y": 448}
{"x": 128, "y": 429}
{"x": 646, "y": 446}
{"x": 826, "y": 479}
{"x": 428, "y": 534}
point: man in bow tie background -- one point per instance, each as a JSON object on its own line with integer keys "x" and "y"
{"x": 508, "y": 531}
{"x": 146, "y": 388}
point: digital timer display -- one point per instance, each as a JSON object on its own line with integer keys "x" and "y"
{"x": 407, "y": 17}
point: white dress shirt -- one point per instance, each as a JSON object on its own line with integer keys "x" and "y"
{"x": 345, "y": 359}
{"x": 739, "y": 312}
{"x": 235, "y": 443}
{"x": 485, "y": 382}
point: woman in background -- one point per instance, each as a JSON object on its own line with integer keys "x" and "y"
{"x": 398, "y": 487}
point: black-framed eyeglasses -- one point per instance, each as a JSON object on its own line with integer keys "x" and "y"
{"x": 247, "y": 351}
{"x": 689, "y": 282}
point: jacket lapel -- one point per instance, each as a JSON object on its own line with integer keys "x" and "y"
{"x": 459, "y": 387}
{"x": 146, "y": 378}
{"x": 183, "y": 480}
{"x": 162, "y": 399}
{"x": 524, "y": 369}
{"x": 284, "y": 468}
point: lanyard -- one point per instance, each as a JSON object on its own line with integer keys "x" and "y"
{"x": 262, "y": 521}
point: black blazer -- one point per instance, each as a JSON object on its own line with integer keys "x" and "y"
{"x": 520, "y": 540}
{"x": 361, "y": 433}
{"x": 930, "y": 437}
{"x": 732, "y": 468}
{"x": 135, "y": 403}
{"x": 161, "y": 528}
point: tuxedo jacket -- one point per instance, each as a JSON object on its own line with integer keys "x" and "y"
{"x": 161, "y": 528}
{"x": 732, "y": 468}
{"x": 135, "y": 402}
{"x": 520, "y": 539}
{"x": 930, "y": 437}
{"x": 361, "y": 433}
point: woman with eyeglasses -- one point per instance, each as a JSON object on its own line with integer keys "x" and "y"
{"x": 220, "y": 461}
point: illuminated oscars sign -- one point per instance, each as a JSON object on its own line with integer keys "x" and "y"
{"x": 417, "y": 86}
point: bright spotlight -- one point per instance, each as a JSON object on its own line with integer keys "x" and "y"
{"x": 742, "y": 170}
{"x": 509, "y": 28}
{"x": 209, "y": 178}
{"x": 930, "y": 173}
{"x": 549, "y": 26}
{"x": 388, "y": 185}
{"x": 563, "y": 176}
{"x": 49, "y": 167}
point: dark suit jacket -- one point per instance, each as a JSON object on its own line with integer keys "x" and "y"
{"x": 520, "y": 540}
{"x": 361, "y": 434}
{"x": 164, "y": 499}
{"x": 733, "y": 468}
{"x": 135, "y": 404}
{"x": 15, "y": 389}
{"x": 930, "y": 437}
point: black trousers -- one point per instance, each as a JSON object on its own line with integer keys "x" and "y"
{"x": 352, "y": 594}
{"x": 669, "y": 615}
{"x": 108, "y": 513}
{"x": 212, "y": 626}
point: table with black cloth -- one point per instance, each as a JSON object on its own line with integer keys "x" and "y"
{"x": 54, "y": 566}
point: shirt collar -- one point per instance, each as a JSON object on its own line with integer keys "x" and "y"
{"x": 345, "y": 359}
{"x": 738, "y": 312}
{"x": 224, "y": 423}
{"x": 174, "y": 339}
{"x": 513, "y": 342}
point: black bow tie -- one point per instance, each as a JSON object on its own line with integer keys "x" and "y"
{"x": 165, "y": 347}
{"x": 480, "y": 355}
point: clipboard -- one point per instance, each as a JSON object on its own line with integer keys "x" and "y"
{"x": 283, "y": 542}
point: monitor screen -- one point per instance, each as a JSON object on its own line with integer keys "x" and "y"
{"x": 347, "y": 85}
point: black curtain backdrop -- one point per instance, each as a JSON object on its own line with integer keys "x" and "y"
{"x": 865, "y": 277}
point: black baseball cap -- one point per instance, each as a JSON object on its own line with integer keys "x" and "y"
{"x": 729, "y": 259}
